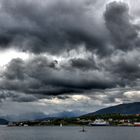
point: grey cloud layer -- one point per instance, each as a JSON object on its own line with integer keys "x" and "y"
{"x": 39, "y": 76}
{"x": 58, "y": 27}
{"x": 118, "y": 21}
{"x": 52, "y": 26}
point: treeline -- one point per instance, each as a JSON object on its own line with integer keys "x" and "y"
{"x": 113, "y": 116}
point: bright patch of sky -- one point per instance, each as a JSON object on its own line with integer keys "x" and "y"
{"x": 7, "y": 55}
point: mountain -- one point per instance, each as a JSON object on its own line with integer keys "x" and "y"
{"x": 3, "y": 122}
{"x": 61, "y": 115}
{"x": 66, "y": 114}
{"x": 42, "y": 116}
{"x": 129, "y": 108}
{"x": 25, "y": 116}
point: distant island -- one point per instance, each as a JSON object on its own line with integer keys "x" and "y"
{"x": 119, "y": 115}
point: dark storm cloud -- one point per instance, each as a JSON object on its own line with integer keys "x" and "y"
{"x": 16, "y": 96}
{"x": 83, "y": 64}
{"x": 111, "y": 42}
{"x": 128, "y": 70}
{"x": 125, "y": 66}
{"x": 52, "y": 26}
{"x": 118, "y": 21}
{"x": 37, "y": 76}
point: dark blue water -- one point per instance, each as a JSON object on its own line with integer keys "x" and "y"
{"x": 69, "y": 133}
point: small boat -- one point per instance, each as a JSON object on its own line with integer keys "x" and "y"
{"x": 61, "y": 125}
{"x": 99, "y": 122}
{"x": 83, "y": 129}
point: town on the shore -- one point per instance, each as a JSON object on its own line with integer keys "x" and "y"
{"x": 93, "y": 120}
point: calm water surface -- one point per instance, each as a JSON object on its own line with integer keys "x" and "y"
{"x": 69, "y": 133}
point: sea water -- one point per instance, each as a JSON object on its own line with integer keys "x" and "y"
{"x": 69, "y": 133}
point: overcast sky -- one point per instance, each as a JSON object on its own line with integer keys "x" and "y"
{"x": 68, "y": 55}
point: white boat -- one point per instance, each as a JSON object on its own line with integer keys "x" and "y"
{"x": 99, "y": 122}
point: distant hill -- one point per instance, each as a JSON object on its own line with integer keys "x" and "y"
{"x": 42, "y": 116}
{"x": 66, "y": 114}
{"x": 3, "y": 122}
{"x": 129, "y": 108}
